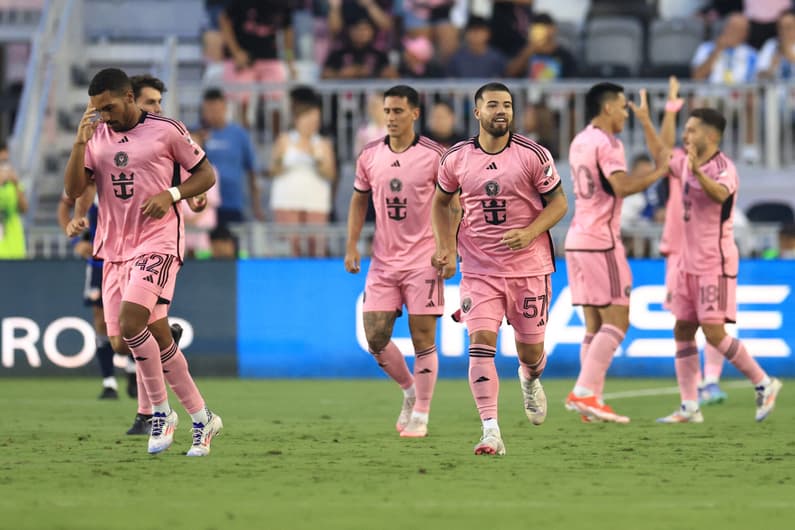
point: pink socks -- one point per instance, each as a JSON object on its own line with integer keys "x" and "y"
{"x": 426, "y": 369}
{"x": 483, "y": 379}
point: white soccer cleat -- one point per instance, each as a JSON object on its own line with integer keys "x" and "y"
{"x": 683, "y": 416}
{"x": 490, "y": 443}
{"x": 415, "y": 428}
{"x": 766, "y": 398}
{"x": 203, "y": 435}
{"x": 405, "y": 412}
{"x": 535, "y": 400}
{"x": 162, "y": 434}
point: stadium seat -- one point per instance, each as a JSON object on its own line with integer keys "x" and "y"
{"x": 771, "y": 212}
{"x": 119, "y": 20}
{"x": 604, "y": 70}
{"x": 569, "y": 37}
{"x": 643, "y": 10}
{"x": 615, "y": 41}
{"x": 673, "y": 42}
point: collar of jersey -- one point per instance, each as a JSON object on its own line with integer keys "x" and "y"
{"x": 477, "y": 144}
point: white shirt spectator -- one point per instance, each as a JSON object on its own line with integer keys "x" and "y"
{"x": 735, "y": 65}
{"x": 785, "y": 70}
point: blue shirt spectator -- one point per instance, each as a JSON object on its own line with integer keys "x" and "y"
{"x": 477, "y": 59}
{"x": 229, "y": 149}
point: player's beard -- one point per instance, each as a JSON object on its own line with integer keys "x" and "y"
{"x": 496, "y": 129}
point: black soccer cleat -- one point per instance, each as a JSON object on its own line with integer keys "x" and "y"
{"x": 176, "y": 332}
{"x": 142, "y": 425}
{"x": 132, "y": 385}
{"x": 109, "y": 393}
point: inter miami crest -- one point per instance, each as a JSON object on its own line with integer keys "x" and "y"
{"x": 494, "y": 210}
{"x": 492, "y": 188}
{"x": 395, "y": 185}
{"x": 121, "y": 159}
{"x": 466, "y": 304}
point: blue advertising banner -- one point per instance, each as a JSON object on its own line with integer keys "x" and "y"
{"x": 46, "y": 329}
{"x": 302, "y": 318}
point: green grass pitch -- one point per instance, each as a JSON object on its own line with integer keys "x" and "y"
{"x": 325, "y": 455}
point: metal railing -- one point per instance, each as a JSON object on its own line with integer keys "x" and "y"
{"x": 759, "y": 114}
{"x": 270, "y": 240}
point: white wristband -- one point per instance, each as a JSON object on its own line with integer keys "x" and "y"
{"x": 175, "y": 194}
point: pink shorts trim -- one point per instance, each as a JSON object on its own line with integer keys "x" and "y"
{"x": 147, "y": 280}
{"x": 708, "y": 299}
{"x": 599, "y": 278}
{"x": 524, "y": 302}
{"x": 420, "y": 290}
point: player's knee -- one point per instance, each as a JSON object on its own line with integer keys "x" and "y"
{"x": 130, "y": 326}
{"x": 714, "y": 334}
{"x": 118, "y": 345}
{"x": 684, "y": 331}
{"x": 530, "y": 353}
{"x": 377, "y": 340}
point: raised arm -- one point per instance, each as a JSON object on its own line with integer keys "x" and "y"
{"x": 672, "y": 107}
{"x": 76, "y": 177}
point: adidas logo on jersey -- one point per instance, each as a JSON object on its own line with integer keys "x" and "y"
{"x": 123, "y": 140}
{"x": 430, "y": 304}
{"x": 149, "y": 279}
{"x": 540, "y": 323}
{"x": 492, "y": 166}
{"x": 396, "y": 163}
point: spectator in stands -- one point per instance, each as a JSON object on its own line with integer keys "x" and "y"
{"x": 477, "y": 59}
{"x": 786, "y": 241}
{"x": 727, "y": 60}
{"x": 441, "y": 125}
{"x": 539, "y": 124}
{"x": 223, "y": 243}
{"x": 229, "y": 149}
{"x": 431, "y": 19}
{"x": 304, "y": 169}
{"x": 358, "y": 59}
{"x": 344, "y": 13}
{"x": 510, "y": 24}
{"x": 717, "y": 9}
{"x": 375, "y": 127}
{"x": 12, "y": 203}
{"x": 777, "y": 57}
{"x": 543, "y": 58}
{"x": 639, "y": 209}
{"x": 763, "y": 15}
{"x": 417, "y": 59}
{"x": 213, "y": 42}
{"x": 250, "y": 30}
{"x": 198, "y": 224}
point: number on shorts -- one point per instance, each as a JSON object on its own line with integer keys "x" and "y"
{"x": 531, "y": 308}
{"x": 709, "y": 294}
{"x": 154, "y": 268}
{"x": 431, "y": 288}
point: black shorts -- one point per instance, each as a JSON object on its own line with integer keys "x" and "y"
{"x": 92, "y": 290}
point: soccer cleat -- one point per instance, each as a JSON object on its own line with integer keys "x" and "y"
{"x": 109, "y": 393}
{"x": 162, "y": 434}
{"x": 176, "y": 332}
{"x": 142, "y": 424}
{"x": 490, "y": 443}
{"x": 132, "y": 385}
{"x": 535, "y": 400}
{"x": 405, "y": 413}
{"x": 766, "y": 398}
{"x": 590, "y": 407}
{"x": 711, "y": 394}
{"x": 203, "y": 435}
{"x": 683, "y": 416}
{"x": 415, "y": 428}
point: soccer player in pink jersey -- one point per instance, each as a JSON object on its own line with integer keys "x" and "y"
{"x": 399, "y": 171}
{"x": 134, "y": 158}
{"x": 709, "y": 391}
{"x": 705, "y": 289}
{"x": 511, "y": 196}
{"x": 599, "y": 275}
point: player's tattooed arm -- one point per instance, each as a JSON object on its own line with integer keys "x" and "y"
{"x": 555, "y": 208}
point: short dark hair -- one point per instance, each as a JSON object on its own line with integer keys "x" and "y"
{"x": 111, "y": 79}
{"x": 711, "y": 117}
{"x": 444, "y": 103}
{"x": 404, "y": 91}
{"x": 543, "y": 18}
{"x": 492, "y": 87}
{"x": 598, "y": 94}
{"x": 476, "y": 22}
{"x": 139, "y": 82}
{"x": 213, "y": 94}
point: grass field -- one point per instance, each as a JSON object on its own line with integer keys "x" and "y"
{"x": 324, "y": 455}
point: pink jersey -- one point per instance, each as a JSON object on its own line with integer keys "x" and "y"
{"x": 403, "y": 185}
{"x": 671, "y": 241}
{"x": 593, "y": 156}
{"x": 708, "y": 246}
{"x": 500, "y": 192}
{"x": 129, "y": 167}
